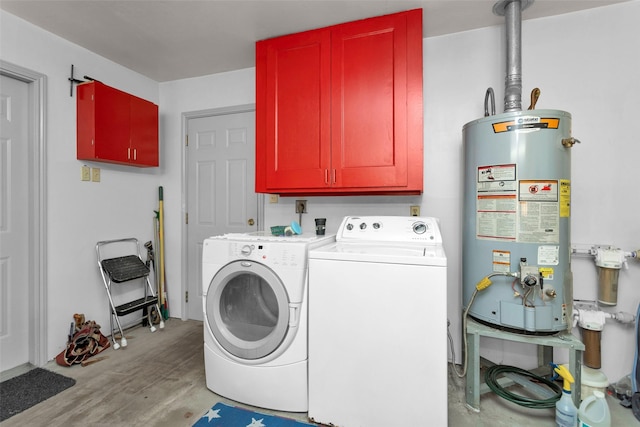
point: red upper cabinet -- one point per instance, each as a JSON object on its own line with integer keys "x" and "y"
{"x": 116, "y": 127}
{"x": 339, "y": 109}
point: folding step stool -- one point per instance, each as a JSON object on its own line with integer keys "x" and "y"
{"x": 124, "y": 269}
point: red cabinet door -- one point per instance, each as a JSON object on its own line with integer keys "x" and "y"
{"x": 369, "y": 100}
{"x": 143, "y": 150}
{"x": 102, "y": 123}
{"x": 292, "y": 111}
{"x": 112, "y": 124}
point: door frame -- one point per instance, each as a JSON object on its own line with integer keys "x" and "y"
{"x": 244, "y": 108}
{"x": 37, "y": 239}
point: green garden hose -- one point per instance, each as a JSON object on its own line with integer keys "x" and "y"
{"x": 491, "y": 378}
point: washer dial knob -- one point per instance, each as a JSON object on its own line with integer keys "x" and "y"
{"x": 420, "y": 227}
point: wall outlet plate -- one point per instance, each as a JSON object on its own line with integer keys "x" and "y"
{"x": 301, "y": 206}
{"x": 414, "y": 210}
{"x": 95, "y": 174}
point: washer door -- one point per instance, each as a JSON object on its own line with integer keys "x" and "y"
{"x": 247, "y": 309}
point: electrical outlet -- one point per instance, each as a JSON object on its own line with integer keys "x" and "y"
{"x": 95, "y": 174}
{"x": 414, "y": 210}
{"x": 301, "y": 206}
{"x": 273, "y": 198}
{"x": 85, "y": 173}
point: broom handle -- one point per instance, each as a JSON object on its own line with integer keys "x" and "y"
{"x": 161, "y": 227}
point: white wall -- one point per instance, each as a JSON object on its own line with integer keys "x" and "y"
{"x": 80, "y": 213}
{"x": 584, "y": 63}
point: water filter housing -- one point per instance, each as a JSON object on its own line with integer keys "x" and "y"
{"x": 517, "y": 206}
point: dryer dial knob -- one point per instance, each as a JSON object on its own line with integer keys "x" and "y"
{"x": 246, "y": 250}
{"x": 363, "y": 225}
{"x": 349, "y": 226}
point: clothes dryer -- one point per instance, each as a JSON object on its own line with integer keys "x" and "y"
{"x": 255, "y": 318}
{"x": 378, "y": 325}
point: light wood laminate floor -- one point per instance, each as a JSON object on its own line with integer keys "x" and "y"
{"x": 159, "y": 380}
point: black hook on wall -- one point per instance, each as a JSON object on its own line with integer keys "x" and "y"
{"x": 73, "y": 80}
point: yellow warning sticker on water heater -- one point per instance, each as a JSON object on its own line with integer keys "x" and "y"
{"x": 565, "y": 198}
{"x": 546, "y": 273}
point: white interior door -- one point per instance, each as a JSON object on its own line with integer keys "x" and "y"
{"x": 220, "y": 188}
{"x": 14, "y": 231}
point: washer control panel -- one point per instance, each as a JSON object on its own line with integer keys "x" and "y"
{"x": 399, "y": 229}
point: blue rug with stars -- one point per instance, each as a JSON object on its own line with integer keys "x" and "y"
{"x": 222, "y": 415}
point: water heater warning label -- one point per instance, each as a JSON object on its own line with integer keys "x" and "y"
{"x": 525, "y": 211}
{"x": 565, "y": 198}
{"x": 538, "y": 212}
{"x": 496, "y": 202}
{"x": 501, "y": 261}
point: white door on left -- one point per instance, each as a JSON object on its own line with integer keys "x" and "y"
{"x": 14, "y": 231}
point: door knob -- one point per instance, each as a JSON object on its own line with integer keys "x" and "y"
{"x": 251, "y": 221}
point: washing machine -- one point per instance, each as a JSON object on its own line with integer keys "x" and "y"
{"x": 378, "y": 324}
{"x": 255, "y": 318}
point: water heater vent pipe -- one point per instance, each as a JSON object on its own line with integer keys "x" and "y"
{"x": 512, "y": 12}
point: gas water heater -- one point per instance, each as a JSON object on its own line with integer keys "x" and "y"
{"x": 517, "y": 206}
{"x": 517, "y": 219}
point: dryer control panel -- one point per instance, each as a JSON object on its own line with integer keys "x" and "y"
{"x": 274, "y": 254}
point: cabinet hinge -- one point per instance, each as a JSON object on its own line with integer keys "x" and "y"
{"x": 186, "y": 296}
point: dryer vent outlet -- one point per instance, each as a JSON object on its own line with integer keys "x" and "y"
{"x": 301, "y": 206}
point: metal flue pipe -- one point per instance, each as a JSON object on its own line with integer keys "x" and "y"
{"x": 512, "y": 11}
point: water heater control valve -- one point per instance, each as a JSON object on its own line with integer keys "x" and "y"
{"x": 529, "y": 274}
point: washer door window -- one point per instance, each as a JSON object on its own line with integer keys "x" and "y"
{"x": 247, "y": 309}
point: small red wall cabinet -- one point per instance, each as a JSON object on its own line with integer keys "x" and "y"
{"x": 116, "y": 127}
{"x": 339, "y": 109}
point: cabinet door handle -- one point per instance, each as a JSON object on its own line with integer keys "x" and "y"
{"x": 135, "y": 154}
{"x": 326, "y": 176}
{"x": 333, "y": 177}
{"x": 128, "y": 153}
